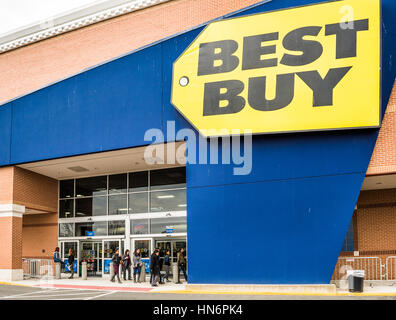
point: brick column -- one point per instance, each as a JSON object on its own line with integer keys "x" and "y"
{"x": 11, "y": 242}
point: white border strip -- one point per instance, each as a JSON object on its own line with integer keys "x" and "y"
{"x": 74, "y": 24}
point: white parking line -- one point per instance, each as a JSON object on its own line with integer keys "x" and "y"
{"x": 23, "y": 294}
{"x": 55, "y": 295}
{"x": 101, "y": 295}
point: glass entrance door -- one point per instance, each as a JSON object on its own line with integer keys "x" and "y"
{"x": 65, "y": 246}
{"x": 109, "y": 248}
{"x": 90, "y": 252}
{"x": 173, "y": 246}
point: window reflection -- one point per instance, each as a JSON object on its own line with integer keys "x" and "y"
{"x": 138, "y": 181}
{"x": 118, "y": 183}
{"x": 116, "y": 228}
{"x": 138, "y": 202}
{"x": 174, "y": 225}
{"x": 86, "y": 207}
{"x": 66, "y": 230}
{"x": 140, "y": 226}
{"x": 93, "y": 186}
{"x": 118, "y": 204}
{"x": 66, "y": 208}
{"x": 99, "y": 228}
{"x": 171, "y": 200}
{"x": 168, "y": 178}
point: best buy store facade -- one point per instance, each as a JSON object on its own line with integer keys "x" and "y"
{"x": 306, "y": 81}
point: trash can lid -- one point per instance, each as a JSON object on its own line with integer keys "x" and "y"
{"x": 356, "y": 273}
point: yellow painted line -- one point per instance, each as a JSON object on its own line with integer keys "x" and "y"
{"x": 14, "y": 284}
{"x": 380, "y": 294}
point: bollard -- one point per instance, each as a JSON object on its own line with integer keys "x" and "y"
{"x": 84, "y": 270}
{"x": 57, "y": 270}
{"x": 143, "y": 273}
{"x": 111, "y": 270}
{"x": 175, "y": 272}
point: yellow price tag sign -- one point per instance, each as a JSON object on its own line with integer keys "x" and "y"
{"x": 308, "y": 68}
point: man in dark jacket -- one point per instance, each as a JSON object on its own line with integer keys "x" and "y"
{"x": 155, "y": 267}
{"x": 116, "y": 259}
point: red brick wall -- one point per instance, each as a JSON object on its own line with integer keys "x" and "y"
{"x": 35, "y": 191}
{"x": 10, "y": 243}
{"x": 383, "y": 159}
{"x": 28, "y": 68}
{"x": 39, "y": 232}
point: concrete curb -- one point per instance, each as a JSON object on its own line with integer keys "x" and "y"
{"x": 327, "y": 289}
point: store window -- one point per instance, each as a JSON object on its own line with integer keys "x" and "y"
{"x": 168, "y": 178}
{"x": 97, "y": 228}
{"x": 140, "y": 226}
{"x": 95, "y": 206}
{"x": 66, "y": 208}
{"x": 66, "y": 189}
{"x": 169, "y": 225}
{"x": 138, "y": 202}
{"x": 117, "y": 228}
{"x": 170, "y": 200}
{"x": 94, "y": 186}
{"x": 118, "y": 204}
{"x": 118, "y": 183}
{"x": 138, "y": 181}
{"x": 66, "y": 230}
{"x": 348, "y": 245}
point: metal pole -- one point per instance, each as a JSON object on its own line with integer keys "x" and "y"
{"x": 143, "y": 272}
{"x": 84, "y": 270}
{"x": 57, "y": 270}
{"x": 175, "y": 272}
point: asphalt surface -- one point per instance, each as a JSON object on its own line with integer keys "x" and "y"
{"x": 10, "y": 292}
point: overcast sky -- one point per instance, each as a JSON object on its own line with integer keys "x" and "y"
{"x": 18, "y": 13}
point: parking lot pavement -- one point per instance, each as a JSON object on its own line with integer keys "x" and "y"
{"x": 12, "y": 292}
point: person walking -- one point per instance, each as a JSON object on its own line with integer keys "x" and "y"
{"x": 155, "y": 265}
{"x": 126, "y": 265}
{"x": 116, "y": 259}
{"x": 181, "y": 262}
{"x": 167, "y": 259}
{"x": 137, "y": 265}
{"x": 70, "y": 259}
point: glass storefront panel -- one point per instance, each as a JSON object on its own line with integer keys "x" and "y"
{"x": 118, "y": 183}
{"x": 138, "y": 202}
{"x": 170, "y": 200}
{"x": 144, "y": 246}
{"x": 118, "y": 204}
{"x": 94, "y": 186}
{"x": 66, "y": 208}
{"x": 86, "y": 207}
{"x": 168, "y": 178}
{"x": 116, "y": 228}
{"x": 140, "y": 226}
{"x": 66, "y": 189}
{"x": 138, "y": 181}
{"x": 99, "y": 228}
{"x": 177, "y": 224}
{"x": 66, "y": 230}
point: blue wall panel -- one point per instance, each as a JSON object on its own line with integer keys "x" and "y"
{"x": 106, "y": 108}
{"x": 269, "y": 232}
{"x": 283, "y": 223}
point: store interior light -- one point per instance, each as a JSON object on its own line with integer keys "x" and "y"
{"x": 182, "y": 205}
{"x": 166, "y": 196}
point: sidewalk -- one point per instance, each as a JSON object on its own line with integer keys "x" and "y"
{"x": 96, "y": 283}
{"x": 383, "y": 289}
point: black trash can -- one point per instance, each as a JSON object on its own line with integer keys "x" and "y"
{"x": 355, "y": 280}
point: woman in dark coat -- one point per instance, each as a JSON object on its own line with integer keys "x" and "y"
{"x": 126, "y": 265}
